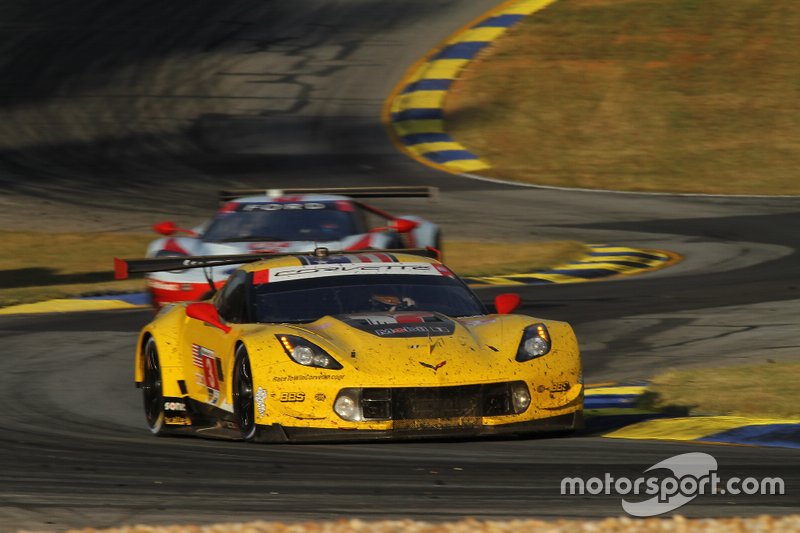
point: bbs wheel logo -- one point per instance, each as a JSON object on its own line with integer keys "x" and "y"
{"x": 287, "y": 397}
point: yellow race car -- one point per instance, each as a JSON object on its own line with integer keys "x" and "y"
{"x": 348, "y": 346}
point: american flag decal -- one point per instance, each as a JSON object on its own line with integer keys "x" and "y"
{"x": 206, "y": 359}
{"x": 198, "y": 353}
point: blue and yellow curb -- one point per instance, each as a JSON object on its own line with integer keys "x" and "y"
{"x": 414, "y": 110}
{"x": 602, "y": 262}
{"x": 73, "y": 305}
{"x": 618, "y": 407}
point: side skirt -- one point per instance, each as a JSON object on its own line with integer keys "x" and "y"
{"x": 201, "y": 419}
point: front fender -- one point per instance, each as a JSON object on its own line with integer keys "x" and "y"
{"x": 166, "y": 329}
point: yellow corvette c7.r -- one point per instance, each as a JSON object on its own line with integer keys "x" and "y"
{"x": 349, "y": 346}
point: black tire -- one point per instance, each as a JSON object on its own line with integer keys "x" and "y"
{"x": 152, "y": 389}
{"x": 243, "y": 396}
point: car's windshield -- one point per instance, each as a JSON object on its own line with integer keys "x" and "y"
{"x": 261, "y": 222}
{"x": 310, "y": 299}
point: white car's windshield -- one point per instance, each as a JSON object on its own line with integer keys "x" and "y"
{"x": 323, "y": 223}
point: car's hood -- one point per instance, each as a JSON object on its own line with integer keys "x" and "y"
{"x": 421, "y": 348}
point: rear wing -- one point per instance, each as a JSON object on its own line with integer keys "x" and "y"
{"x": 124, "y": 267}
{"x": 352, "y": 192}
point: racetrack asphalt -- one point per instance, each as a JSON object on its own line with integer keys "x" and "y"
{"x": 120, "y": 113}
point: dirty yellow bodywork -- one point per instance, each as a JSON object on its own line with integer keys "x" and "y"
{"x": 480, "y": 351}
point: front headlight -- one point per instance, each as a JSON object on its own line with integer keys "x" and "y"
{"x": 520, "y": 396}
{"x": 307, "y": 353}
{"x": 348, "y": 405}
{"x": 535, "y": 343}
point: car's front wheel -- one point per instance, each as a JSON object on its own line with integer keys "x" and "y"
{"x": 152, "y": 390}
{"x": 243, "y": 397}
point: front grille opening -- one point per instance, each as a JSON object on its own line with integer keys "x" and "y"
{"x": 376, "y": 404}
{"x": 411, "y": 403}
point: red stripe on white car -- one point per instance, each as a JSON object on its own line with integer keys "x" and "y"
{"x": 363, "y": 242}
{"x": 170, "y": 245}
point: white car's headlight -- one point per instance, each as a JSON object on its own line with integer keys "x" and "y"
{"x": 307, "y": 353}
{"x": 535, "y": 343}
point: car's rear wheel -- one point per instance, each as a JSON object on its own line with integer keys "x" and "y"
{"x": 243, "y": 397}
{"x": 152, "y": 390}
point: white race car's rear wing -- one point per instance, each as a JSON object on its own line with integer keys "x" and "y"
{"x": 124, "y": 267}
{"x": 352, "y": 192}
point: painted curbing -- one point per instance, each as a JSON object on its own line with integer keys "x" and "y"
{"x": 414, "y": 110}
{"x": 602, "y": 262}
{"x": 74, "y": 305}
{"x": 614, "y": 412}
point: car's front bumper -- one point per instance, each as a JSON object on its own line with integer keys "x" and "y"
{"x": 560, "y": 423}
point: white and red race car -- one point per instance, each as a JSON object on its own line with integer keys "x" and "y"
{"x": 285, "y": 221}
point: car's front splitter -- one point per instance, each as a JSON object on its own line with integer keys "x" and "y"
{"x": 278, "y": 433}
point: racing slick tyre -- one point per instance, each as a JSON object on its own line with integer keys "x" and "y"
{"x": 243, "y": 398}
{"x": 152, "y": 392}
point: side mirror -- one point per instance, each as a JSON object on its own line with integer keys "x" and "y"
{"x": 207, "y": 313}
{"x": 403, "y": 225}
{"x": 507, "y": 302}
{"x": 168, "y": 228}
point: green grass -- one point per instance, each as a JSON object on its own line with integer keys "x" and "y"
{"x": 42, "y": 266}
{"x": 645, "y": 95}
{"x": 770, "y": 390}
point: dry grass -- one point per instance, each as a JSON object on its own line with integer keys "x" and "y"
{"x": 770, "y": 390}
{"x": 40, "y": 266}
{"x": 641, "y": 95}
{"x": 476, "y": 258}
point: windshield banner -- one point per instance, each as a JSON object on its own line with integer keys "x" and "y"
{"x": 293, "y": 273}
